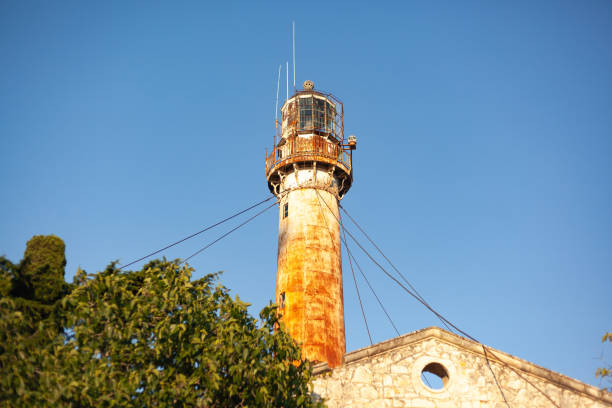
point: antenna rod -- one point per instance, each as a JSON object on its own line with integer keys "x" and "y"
{"x": 277, "y": 88}
{"x": 287, "y": 79}
{"x": 276, "y": 109}
{"x": 294, "y": 55}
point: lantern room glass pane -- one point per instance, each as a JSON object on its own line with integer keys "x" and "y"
{"x": 305, "y": 105}
{"x": 319, "y": 115}
{"x": 316, "y": 115}
{"x": 330, "y": 114}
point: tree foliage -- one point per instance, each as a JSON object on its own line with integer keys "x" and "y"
{"x": 30, "y": 293}
{"x": 151, "y": 338}
{"x": 41, "y": 273}
{"x": 605, "y": 372}
{"x": 36, "y": 284}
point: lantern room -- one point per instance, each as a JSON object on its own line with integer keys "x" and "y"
{"x": 310, "y": 112}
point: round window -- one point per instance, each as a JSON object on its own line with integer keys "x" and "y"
{"x": 434, "y": 376}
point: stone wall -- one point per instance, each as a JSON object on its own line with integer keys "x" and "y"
{"x": 388, "y": 374}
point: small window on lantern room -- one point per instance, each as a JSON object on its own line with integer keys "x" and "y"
{"x": 286, "y": 210}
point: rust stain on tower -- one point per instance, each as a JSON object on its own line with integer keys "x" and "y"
{"x": 310, "y": 170}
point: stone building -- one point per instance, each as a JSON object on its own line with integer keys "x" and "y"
{"x": 389, "y": 374}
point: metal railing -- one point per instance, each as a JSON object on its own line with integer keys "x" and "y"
{"x": 308, "y": 149}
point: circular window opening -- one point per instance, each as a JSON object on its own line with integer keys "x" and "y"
{"x": 435, "y": 376}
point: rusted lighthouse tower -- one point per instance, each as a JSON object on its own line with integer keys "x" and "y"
{"x": 310, "y": 170}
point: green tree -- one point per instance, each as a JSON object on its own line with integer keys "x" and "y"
{"x": 6, "y": 277}
{"x": 605, "y": 372}
{"x": 36, "y": 284}
{"x": 40, "y": 276}
{"x": 154, "y": 338}
{"x": 30, "y": 294}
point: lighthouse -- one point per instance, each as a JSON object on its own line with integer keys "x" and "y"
{"x": 310, "y": 170}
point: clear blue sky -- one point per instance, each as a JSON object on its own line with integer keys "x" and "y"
{"x": 483, "y": 165}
